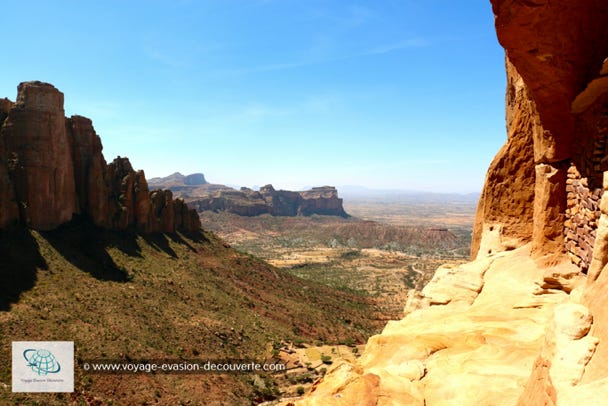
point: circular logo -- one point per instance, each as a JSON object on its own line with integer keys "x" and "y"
{"x": 42, "y": 362}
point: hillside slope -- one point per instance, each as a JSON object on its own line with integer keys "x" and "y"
{"x": 89, "y": 254}
{"x": 127, "y": 296}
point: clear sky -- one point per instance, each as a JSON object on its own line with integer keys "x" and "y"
{"x": 402, "y": 94}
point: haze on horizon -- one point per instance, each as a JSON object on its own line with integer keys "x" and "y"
{"x": 392, "y": 94}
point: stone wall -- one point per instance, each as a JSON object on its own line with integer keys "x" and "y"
{"x": 582, "y": 216}
{"x": 584, "y": 187}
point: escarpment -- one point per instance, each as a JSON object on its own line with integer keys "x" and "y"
{"x": 526, "y": 322}
{"x": 204, "y": 196}
{"x": 52, "y": 168}
{"x": 322, "y": 200}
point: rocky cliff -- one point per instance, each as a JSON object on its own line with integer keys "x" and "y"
{"x": 526, "y": 321}
{"x": 246, "y": 202}
{"x": 52, "y": 168}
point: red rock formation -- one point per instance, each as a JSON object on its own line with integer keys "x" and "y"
{"x": 9, "y": 213}
{"x": 556, "y": 59}
{"x": 163, "y": 210}
{"x": 185, "y": 218}
{"x": 121, "y": 178}
{"x": 89, "y": 170}
{"x": 5, "y": 107}
{"x": 321, "y": 200}
{"x": 142, "y": 206}
{"x": 557, "y": 47}
{"x": 510, "y": 178}
{"x": 560, "y": 48}
{"x": 52, "y": 168}
{"x": 40, "y": 168}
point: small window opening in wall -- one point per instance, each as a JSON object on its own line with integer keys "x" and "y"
{"x": 491, "y": 228}
{"x": 489, "y": 251}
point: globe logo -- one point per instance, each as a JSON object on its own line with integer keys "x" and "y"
{"x": 42, "y": 362}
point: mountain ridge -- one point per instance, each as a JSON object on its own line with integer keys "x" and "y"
{"x": 321, "y": 200}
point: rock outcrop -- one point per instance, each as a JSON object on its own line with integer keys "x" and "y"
{"x": 557, "y": 65}
{"x": 510, "y": 178}
{"x": 471, "y": 339}
{"x": 52, "y": 168}
{"x": 198, "y": 193}
{"x": 246, "y": 202}
{"x": 526, "y": 322}
{"x": 40, "y": 157}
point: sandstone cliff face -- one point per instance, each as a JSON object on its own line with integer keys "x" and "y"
{"x": 40, "y": 168}
{"x": 510, "y": 178}
{"x": 246, "y": 202}
{"x": 9, "y": 213}
{"x": 556, "y": 60}
{"x": 89, "y": 168}
{"x": 52, "y": 168}
{"x": 526, "y": 322}
{"x": 321, "y": 200}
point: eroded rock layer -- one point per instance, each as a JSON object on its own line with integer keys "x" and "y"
{"x": 52, "y": 167}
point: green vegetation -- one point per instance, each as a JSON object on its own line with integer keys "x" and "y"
{"x": 265, "y": 234}
{"x": 121, "y": 295}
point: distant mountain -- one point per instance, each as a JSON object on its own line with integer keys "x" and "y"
{"x": 177, "y": 179}
{"x": 204, "y": 196}
{"x": 246, "y": 202}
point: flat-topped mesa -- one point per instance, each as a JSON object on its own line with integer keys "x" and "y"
{"x": 52, "y": 168}
{"x": 322, "y": 200}
{"x": 195, "y": 179}
{"x": 246, "y": 202}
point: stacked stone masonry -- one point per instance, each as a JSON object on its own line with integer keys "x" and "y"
{"x": 584, "y": 192}
{"x": 582, "y": 216}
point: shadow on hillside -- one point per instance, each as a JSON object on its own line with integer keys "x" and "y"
{"x": 196, "y": 237}
{"x": 160, "y": 243}
{"x": 85, "y": 247}
{"x": 20, "y": 260}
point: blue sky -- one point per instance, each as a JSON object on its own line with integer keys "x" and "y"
{"x": 403, "y": 94}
